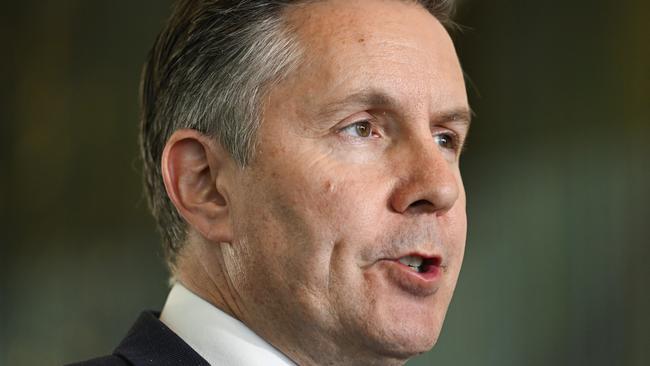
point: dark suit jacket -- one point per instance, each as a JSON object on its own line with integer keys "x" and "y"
{"x": 149, "y": 342}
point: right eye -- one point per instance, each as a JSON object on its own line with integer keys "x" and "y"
{"x": 361, "y": 129}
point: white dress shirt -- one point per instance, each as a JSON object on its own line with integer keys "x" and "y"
{"x": 219, "y": 338}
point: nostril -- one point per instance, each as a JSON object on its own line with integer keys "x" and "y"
{"x": 421, "y": 206}
{"x": 420, "y": 203}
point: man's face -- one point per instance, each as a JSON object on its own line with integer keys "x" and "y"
{"x": 357, "y": 167}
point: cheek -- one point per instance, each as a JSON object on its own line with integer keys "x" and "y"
{"x": 320, "y": 193}
{"x": 286, "y": 218}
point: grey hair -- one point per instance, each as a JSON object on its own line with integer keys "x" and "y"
{"x": 209, "y": 70}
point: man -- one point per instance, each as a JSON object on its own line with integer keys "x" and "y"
{"x": 302, "y": 161}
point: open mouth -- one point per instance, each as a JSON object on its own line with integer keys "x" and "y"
{"x": 420, "y": 264}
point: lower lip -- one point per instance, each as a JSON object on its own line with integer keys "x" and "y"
{"x": 419, "y": 284}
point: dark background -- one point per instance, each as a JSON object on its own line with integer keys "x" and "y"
{"x": 557, "y": 172}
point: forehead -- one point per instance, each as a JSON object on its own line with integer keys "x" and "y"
{"x": 396, "y": 47}
{"x": 344, "y": 21}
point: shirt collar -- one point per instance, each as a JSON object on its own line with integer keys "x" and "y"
{"x": 215, "y": 335}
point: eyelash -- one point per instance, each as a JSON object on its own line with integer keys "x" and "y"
{"x": 453, "y": 138}
{"x": 357, "y": 124}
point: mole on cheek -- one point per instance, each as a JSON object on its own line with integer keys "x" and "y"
{"x": 330, "y": 187}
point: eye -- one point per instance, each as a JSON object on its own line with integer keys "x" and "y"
{"x": 360, "y": 129}
{"x": 447, "y": 141}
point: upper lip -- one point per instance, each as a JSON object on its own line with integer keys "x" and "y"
{"x": 434, "y": 257}
{"x": 394, "y": 256}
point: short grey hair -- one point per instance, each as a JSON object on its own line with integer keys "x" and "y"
{"x": 209, "y": 70}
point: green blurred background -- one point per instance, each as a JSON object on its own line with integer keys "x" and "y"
{"x": 557, "y": 172}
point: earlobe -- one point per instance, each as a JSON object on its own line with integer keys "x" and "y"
{"x": 193, "y": 165}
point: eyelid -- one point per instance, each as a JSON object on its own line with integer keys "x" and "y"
{"x": 372, "y": 133}
{"x": 458, "y": 141}
{"x": 362, "y": 117}
{"x": 460, "y": 131}
{"x": 354, "y": 118}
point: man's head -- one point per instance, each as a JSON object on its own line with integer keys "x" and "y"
{"x": 306, "y": 185}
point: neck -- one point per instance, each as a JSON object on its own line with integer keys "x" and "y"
{"x": 198, "y": 269}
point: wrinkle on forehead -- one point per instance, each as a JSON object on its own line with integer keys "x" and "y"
{"x": 346, "y": 44}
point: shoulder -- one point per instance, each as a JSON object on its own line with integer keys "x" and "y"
{"x": 149, "y": 342}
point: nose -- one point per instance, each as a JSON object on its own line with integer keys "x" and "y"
{"x": 429, "y": 181}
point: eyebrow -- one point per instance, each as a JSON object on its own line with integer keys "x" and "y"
{"x": 365, "y": 97}
{"x": 375, "y": 98}
{"x": 462, "y": 115}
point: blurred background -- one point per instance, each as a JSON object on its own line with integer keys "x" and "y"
{"x": 557, "y": 172}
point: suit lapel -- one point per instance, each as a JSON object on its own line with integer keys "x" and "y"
{"x": 150, "y": 342}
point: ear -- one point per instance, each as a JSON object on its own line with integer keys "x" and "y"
{"x": 194, "y": 168}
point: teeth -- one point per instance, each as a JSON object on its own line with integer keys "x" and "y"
{"x": 412, "y": 261}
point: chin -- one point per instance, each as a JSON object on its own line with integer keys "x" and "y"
{"x": 405, "y": 339}
{"x": 412, "y": 330}
{"x": 404, "y": 350}
{"x": 413, "y": 344}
